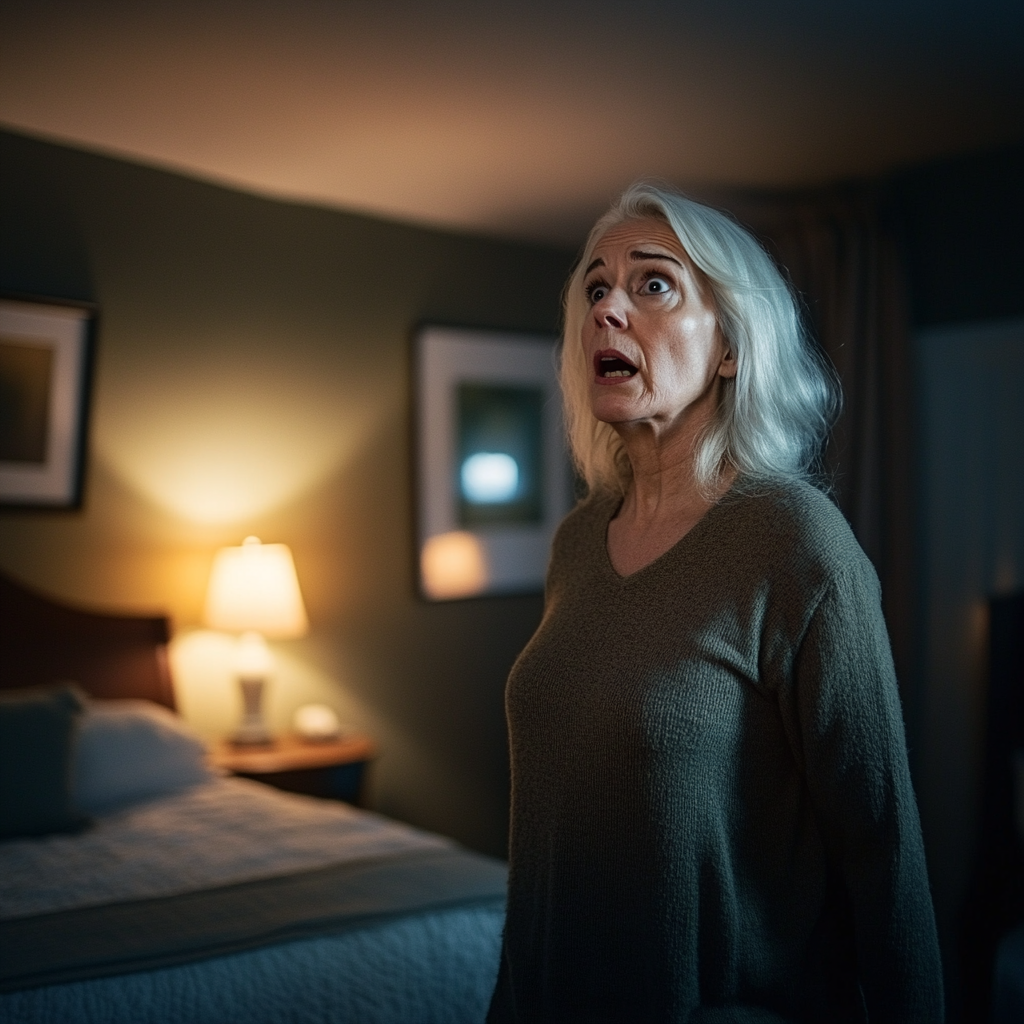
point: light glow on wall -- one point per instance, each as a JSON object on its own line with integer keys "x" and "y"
{"x": 224, "y": 460}
{"x": 453, "y": 565}
{"x": 217, "y": 478}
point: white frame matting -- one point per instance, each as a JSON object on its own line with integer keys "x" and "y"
{"x": 514, "y": 557}
{"x": 66, "y": 330}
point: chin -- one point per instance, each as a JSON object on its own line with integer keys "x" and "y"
{"x": 613, "y": 409}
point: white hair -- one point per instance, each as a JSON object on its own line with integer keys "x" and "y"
{"x": 774, "y": 416}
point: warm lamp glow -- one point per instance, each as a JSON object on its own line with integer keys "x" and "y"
{"x": 254, "y": 588}
{"x": 216, "y": 450}
{"x": 454, "y": 565}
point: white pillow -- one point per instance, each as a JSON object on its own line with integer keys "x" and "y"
{"x": 126, "y": 751}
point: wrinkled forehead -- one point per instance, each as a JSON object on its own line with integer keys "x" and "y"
{"x": 641, "y": 234}
{"x": 634, "y": 234}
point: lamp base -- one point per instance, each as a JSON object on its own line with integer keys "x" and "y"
{"x": 252, "y": 731}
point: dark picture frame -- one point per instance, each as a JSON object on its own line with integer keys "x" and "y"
{"x": 492, "y": 473}
{"x": 46, "y": 353}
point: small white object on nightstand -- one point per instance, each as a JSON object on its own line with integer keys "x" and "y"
{"x": 316, "y": 722}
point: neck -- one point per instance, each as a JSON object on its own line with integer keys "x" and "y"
{"x": 664, "y": 478}
{"x": 671, "y": 492}
{"x": 663, "y": 503}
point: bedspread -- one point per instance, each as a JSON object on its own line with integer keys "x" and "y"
{"x": 117, "y": 938}
{"x": 225, "y": 831}
{"x": 434, "y": 968}
{"x": 227, "y": 867}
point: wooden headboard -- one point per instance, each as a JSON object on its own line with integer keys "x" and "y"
{"x": 43, "y": 641}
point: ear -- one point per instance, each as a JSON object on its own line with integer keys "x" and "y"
{"x": 727, "y": 367}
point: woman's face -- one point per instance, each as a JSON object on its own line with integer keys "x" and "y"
{"x": 651, "y": 336}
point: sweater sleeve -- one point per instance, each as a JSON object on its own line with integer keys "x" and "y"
{"x": 846, "y": 710}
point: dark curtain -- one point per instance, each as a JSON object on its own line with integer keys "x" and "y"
{"x": 842, "y": 252}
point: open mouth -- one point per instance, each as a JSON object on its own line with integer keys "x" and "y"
{"x": 613, "y": 366}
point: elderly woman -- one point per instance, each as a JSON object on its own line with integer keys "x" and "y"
{"x": 712, "y": 816}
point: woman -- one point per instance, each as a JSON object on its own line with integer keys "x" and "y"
{"x": 712, "y": 816}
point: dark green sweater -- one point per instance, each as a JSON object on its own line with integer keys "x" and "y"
{"x": 712, "y": 816}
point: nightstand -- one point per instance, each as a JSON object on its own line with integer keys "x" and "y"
{"x": 329, "y": 768}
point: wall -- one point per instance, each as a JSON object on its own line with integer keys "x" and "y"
{"x": 972, "y": 529}
{"x": 964, "y": 228}
{"x": 964, "y": 224}
{"x": 253, "y": 377}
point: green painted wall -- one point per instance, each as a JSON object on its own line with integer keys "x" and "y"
{"x": 253, "y": 377}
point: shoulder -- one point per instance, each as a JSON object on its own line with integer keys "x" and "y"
{"x": 796, "y": 530}
{"x": 796, "y": 510}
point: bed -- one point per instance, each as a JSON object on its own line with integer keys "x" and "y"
{"x": 160, "y": 891}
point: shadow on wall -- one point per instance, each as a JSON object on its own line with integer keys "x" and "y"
{"x": 972, "y": 543}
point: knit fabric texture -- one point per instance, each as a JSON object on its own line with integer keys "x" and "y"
{"x": 712, "y": 813}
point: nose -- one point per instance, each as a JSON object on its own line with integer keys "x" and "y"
{"x": 611, "y": 311}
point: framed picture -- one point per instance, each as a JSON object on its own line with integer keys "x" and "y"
{"x": 45, "y": 361}
{"x": 493, "y": 478}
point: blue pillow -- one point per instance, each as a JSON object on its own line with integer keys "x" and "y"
{"x": 127, "y": 751}
{"x": 37, "y": 729}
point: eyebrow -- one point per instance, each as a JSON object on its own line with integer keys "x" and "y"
{"x": 635, "y": 255}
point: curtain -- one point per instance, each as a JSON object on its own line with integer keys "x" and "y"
{"x": 842, "y": 251}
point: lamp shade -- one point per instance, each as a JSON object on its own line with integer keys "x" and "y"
{"x": 254, "y": 587}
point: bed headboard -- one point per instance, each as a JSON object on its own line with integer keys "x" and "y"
{"x": 43, "y": 641}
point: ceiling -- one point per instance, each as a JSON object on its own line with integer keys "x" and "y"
{"x": 518, "y": 118}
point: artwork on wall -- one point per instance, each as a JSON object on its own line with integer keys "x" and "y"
{"x": 493, "y": 477}
{"x": 45, "y": 359}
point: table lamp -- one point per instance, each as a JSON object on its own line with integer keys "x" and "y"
{"x": 254, "y": 591}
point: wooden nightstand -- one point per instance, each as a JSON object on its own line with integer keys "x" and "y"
{"x": 332, "y": 768}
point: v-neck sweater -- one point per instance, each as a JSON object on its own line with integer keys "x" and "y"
{"x": 712, "y": 813}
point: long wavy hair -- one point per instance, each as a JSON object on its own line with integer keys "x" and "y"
{"x": 774, "y": 416}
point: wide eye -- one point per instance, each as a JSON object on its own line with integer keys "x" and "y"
{"x": 655, "y": 285}
{"x": 596, "y": 292}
